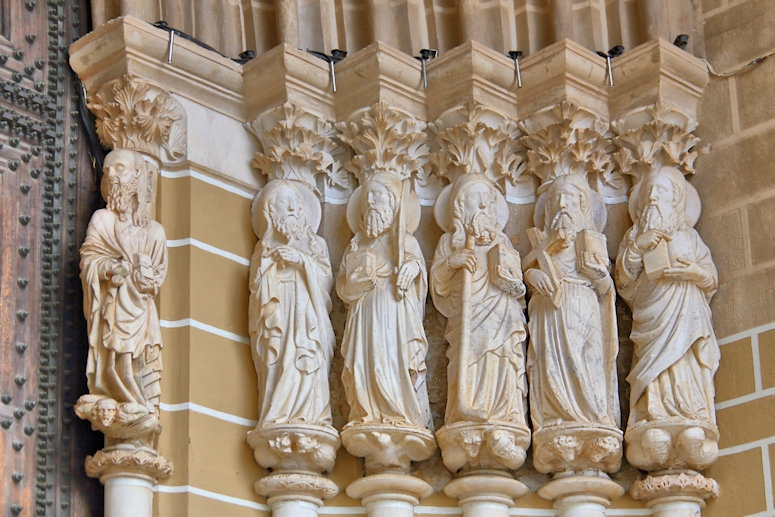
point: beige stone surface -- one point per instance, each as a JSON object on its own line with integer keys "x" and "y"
{"x": 745, "y": 423}
{"x": 762, "y": 245}
{"x": 735, "y": 376}
{"x": 767, "y": 358}
{"x": 727, "y": 33}
{"x": 741, "y": 494}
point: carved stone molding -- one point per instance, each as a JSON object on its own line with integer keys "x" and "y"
{"x": 577, "y": 448}
{"x": 296, "y": 486}
{"x": 299, "y": 145}
{"x": 387, "y": 139}
{"x": 587, "y": 495}
{"x": 687, "y": 486}
{"x": 128, "y": 459}
{"x": 486, "y": 494}
{"x": 477, "y": 139}
{"x": 653, "y": 137}
{"x": 134, "y": 114}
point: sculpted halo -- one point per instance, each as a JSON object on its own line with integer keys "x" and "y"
{"x": 308, "y": 199}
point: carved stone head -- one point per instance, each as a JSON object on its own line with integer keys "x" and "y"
{"x": 569, "y": 206}
{"x": 475, "y": 208}
{"x": 127, "y": 186}
{"x": 662, "y": 200}
{"x": 285, "y": 211}
{"x": 379, "y": 203}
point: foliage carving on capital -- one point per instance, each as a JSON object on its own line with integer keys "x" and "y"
{"x": 477, "y": 139}
{"x": 387, "y": 139}
{"x": 567, "y": 139}
{"x": 299, "y": 145}
{"x": 133, "y": 114}
{"x": 661, "y": 137}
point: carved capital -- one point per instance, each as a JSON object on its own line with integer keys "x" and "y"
{"x": 296, "y": 487}
{"x": 387, "y": 139}
{"x": 683, "y": 486}
{"x": 299, "y": 145}
{"x": 133, "y": 114}
{"x": 477, "y": 139}
{"x": 566, "y": 139}
{"x": 130, "y": 460}
{"x": 121, "y": 422}
{"x": 671, "y": 444}
{"x": 653, "y": 137}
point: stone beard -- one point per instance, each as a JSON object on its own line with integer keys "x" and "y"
{"x": 123, "y": 264}
{"x": 490, "y": 386}
{"x": 676, "y": 353}
{"x": 384, "y": 344}
{"x": 290, "y": 329}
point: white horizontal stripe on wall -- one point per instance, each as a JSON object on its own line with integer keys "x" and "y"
{"x": 203, "y": 410}
{"x": 209, "y": 180}
{"x": 747, "y": 333}
{"x": 188, "y": 241}
{"x": 164, "y": 489}
{"x": 190, "y": 322}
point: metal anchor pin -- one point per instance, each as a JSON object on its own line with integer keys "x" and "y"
{"x": 515, "y": 55}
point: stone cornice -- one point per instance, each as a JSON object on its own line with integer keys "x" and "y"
{"x": 129, "y": 45}
{"x": 379, "y": 73}
{"x": 471, "y": 72}
{"x": 657, "y": 72}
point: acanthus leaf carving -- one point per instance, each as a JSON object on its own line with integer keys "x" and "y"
{"x": 298, "y": 145}
{"x": 133, "y": 114}
{"x": 386, "y": 139}
{"x": 665, "y": 139}
{"x": 477, "y": 139}
{"x": 567, "y": 139}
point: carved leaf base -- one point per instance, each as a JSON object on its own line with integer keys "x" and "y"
{"x": 388, "y": 448}
{"x": 483, "y": 445}
{"x": 389, "y": 495}
{"x": 581, "y": 496}
{"x": 485, "y": 494}
{"x": 295, "y": 447}
{"x": 128, "y": 460}
{"x": 675, "y": 493}
{"x": 672, "y": 444}
{"x": 293, "y": 492}
{"x": 577, "y": 448}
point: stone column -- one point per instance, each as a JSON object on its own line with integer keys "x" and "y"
{"x": 654, "y": 125}
{"x": 143, "y": 124}
{"x": 294, "y": 436}
{"x": 389, "y": 412}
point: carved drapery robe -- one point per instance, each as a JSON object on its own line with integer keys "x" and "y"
{"x": 496, "y": 359}
{"x": 384, "y": 345}
{"x": 572, "y": 358}
{"x": 291, "y": 335}
{"x": 122, "y": 318}
{"x": 676, "y": 353}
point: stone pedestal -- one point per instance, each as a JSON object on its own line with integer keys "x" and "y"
{"x": 129, "y": 474}
{"x": 675, "y": 494}
{"x": 389, "y": 495}
{"x": 581, "y": 496}
{"x": 388, "y": 447}
{"x": 295, "y": 494}
{"x": 485, "y": 494}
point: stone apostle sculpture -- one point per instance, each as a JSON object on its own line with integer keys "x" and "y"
{"x": 476, "y": 282}
{"x": 123, "y": 265}
{"x": 382, "y": 280}
{"x": 292, "y": 340}
{"x": 666, "y": 274}
{"x": 574, "y": 400}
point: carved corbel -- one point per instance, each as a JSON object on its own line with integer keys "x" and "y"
{"x": 300, "y": 146}
{"x": 133, "y": 114}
